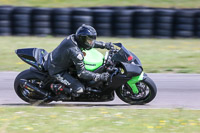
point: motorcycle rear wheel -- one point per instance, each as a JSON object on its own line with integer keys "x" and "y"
{"x": 26, "y": 95}
{"x": 147, "y": 92}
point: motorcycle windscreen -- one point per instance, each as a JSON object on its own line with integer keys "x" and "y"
{"x": 93, "y": 59}
{"x": 123, "y": 55}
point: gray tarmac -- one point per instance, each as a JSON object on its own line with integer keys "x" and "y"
{"x": 174, "y": 91}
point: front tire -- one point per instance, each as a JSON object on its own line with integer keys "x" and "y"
{"x": 26, "y": 95}
{"x": 147, "y": 92}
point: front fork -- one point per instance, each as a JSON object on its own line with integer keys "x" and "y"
{"x": 132, "y": 82}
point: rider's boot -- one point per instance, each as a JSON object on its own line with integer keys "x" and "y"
{"x": 60, "y": 89}
{"x": 57, "y": 88}
{"x": 77, "y": 91}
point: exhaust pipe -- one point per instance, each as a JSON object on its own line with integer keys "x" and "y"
{"x": 31, "y": 87}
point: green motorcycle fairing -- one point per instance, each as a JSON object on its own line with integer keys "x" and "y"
{"x": 132, "y": 82}
{"x": 93, "y": 59}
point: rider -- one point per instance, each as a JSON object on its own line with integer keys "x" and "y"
{"x": 69, "y": 53}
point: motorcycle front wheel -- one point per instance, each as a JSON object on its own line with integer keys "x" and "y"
{"x": 147, "y": 92}
{"x": 25, "y": 94}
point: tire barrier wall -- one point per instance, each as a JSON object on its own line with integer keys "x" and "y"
{"x": 142, "y": 22}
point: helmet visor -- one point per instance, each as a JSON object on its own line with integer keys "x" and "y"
{"x": 90, "y": 40}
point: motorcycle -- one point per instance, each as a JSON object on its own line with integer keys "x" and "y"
{"x": 127, "y": 78}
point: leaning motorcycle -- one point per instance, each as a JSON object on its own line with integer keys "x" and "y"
{"x": 127, "y": 79}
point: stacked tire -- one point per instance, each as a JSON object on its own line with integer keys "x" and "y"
{"x": 122, "y": 23}
{"x": 61, "y": 21}
{"x": 81, "y": 16}
{"x": 164, "y": 22}
{"x": 184, "y": 23}
{"x": 21, "y": 21}
{"x": 102, "y": 21}
{"x": 143, "y": 23}
{"x": 41, "y": 21}
{"x": 197, "y": 24}
{"x": 108, "y": 21}
{"x": 5, "y": 21}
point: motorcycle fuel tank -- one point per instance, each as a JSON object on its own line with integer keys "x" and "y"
{"x": 93, "y": 59}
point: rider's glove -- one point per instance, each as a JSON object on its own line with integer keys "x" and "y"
{"x": 104, "y": 76}
{"x": 109, "y": 45}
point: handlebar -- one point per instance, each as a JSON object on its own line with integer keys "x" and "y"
{"x": 112, "y": 69}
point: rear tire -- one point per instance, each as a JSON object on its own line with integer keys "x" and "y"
{"x": 125, "y": 93}
{"x": 26, "y": 95}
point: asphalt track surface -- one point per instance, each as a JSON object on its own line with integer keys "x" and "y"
{"x": 174, "y": 91}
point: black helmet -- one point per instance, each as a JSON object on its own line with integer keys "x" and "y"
{"x": 85, "y": 35}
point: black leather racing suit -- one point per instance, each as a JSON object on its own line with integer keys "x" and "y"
{"x": 66, "y": 55}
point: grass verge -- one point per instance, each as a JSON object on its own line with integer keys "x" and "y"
{"x": 156, "y": 55}
{"x": 89, "y": 3}
{"x": 97, "y": 120}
